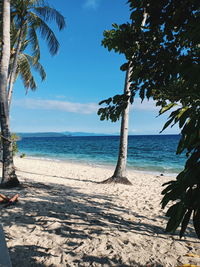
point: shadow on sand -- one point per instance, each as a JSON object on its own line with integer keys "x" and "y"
{"x": 78, "y": 222}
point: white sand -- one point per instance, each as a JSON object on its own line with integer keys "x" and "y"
{"x": 65, "y": 218}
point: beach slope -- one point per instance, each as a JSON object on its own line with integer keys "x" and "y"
{"x": 64, "y": 217}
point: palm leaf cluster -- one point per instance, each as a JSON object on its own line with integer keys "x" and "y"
{"x": 184, "y": 192}
{"x": 29, "y": 20}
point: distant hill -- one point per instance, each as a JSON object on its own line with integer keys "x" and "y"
{"x": 83, "y": 134}
{"x": 55, "y": 134}
{"x": 69, "y": 134}
{"x": 45, "y": 134}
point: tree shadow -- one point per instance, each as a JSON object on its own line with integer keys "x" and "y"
{"x": 59, "y": 210}
{"x": 23, "y": 252}
{"x": 113, "y": 262}
{"x": 61, "y": 177}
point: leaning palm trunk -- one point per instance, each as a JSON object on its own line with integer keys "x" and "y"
{"x": 9, "y": 177}
{"x": 119, "y": 175}
{"x": 13, "y": 70}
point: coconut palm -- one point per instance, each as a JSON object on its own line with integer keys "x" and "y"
{"x": 119, "y": 175}
{"x": 8, "y": 172}
{"x": 120, "y": 170}
{"x": 30, "y": 17}
{"x": 24, "y": 64}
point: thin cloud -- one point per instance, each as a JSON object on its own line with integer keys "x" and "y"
{"x": 93, "y": 4}
{"x": 73, "y": 107}
{"x": 79, "y": 108}
{"x": 146, "y": 105}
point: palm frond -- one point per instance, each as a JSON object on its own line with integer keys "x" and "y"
{"x": 46, "y": 32}
{"x": 51, "y": 14}
{"x": 33, "y": 3}
{"x": 37, "y": 66}
{"x": 25, "y": 30}
{"x": 32, "y": 84}
{"x": 24, "y": 70}
{"x": 14, "y": 34}
{"x": 35, "y": 14}
{"x": 24, "y": 45}
{"x": 34, "y": 42}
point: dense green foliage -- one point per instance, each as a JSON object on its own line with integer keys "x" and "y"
{"x": 185, "y": 191}
{"x": 14, "y": 139}
{"x": 165, "y": 57}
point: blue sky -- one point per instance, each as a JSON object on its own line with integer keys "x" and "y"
{"x": 80, "y": 75}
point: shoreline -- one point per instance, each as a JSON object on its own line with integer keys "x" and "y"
{"x": 100, "y": 165}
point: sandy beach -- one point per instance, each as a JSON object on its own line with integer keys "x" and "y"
{"x": 64, "y": 217}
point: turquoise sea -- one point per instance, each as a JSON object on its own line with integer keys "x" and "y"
{"x": 151, "y": 153}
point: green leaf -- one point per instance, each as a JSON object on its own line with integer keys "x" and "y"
{"x": 172, "y": 210}
{"x": 173, "y": 195}
{"x": 171, "y": 186}
{"x": 124, "y": 67}
{"x": 115, "y": 25}
{"x": 176, "y": 217}
{"x": 184, "y": 117}
{"x": 185, "y": 222}
{"x": 166, "y": 108}
{"x": 196, "y": 221}
{"x": 167, "y": 124}
{"x": 193, "y": 159}
{"x": 181, "y": 146}
{"x": 106, "y": 101}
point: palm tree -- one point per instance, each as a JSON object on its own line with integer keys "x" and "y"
{"x": 9, "y": 177}
{"x": 29, "y": 17}
{"x": 25, "y": 64}
{"x": 22, "y": 63}
{"x": 119, "y": 175}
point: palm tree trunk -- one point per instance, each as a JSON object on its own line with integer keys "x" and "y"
{"x": 9, "y": 177}
{"x": 119, "y": 175}
{"x": 13, "y": 70}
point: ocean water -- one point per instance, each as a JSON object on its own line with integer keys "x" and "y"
{"x": 150, "y": 153}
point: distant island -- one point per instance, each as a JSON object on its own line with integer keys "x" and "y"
{"x": 56, "y": 134}
{"x": 71, "y": 134}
